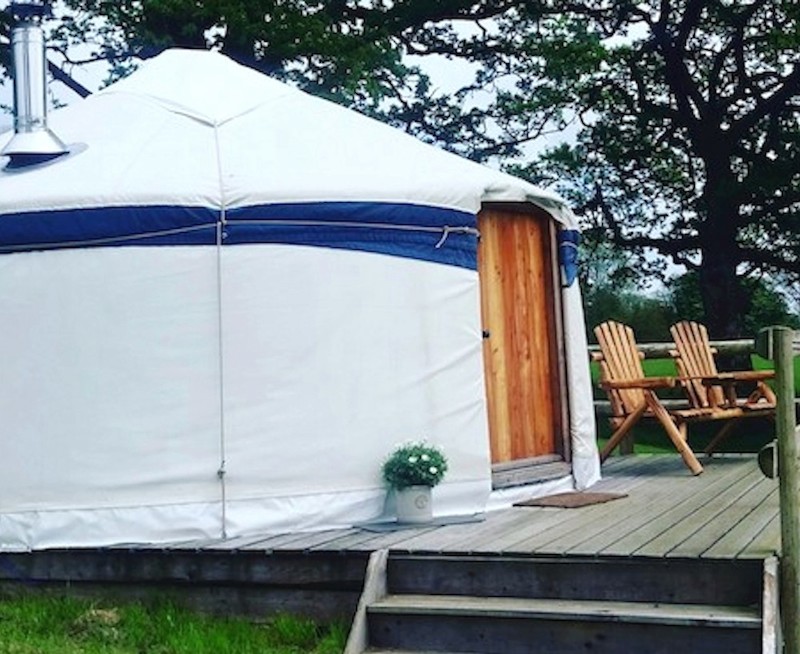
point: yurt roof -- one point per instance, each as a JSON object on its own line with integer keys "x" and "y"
{"x": 195, "y": 130}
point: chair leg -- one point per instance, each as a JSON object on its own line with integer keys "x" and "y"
{"x": 622, "y": 431}
{"x": 678, "y": 439}
{"x": 721, "y": 436}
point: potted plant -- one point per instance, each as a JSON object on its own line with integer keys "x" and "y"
{"x": 412, "y": 470}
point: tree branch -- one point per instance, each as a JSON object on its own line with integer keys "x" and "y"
{"x": 772, "y": 259}
{"x": 790, "y": 88}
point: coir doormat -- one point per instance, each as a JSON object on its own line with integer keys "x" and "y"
{"x": 572, "y": 500}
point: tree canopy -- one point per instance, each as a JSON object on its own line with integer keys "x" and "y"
{"x": 685, "y": 113}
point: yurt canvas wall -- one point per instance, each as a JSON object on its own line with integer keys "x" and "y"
{"x": 228, "y": 304}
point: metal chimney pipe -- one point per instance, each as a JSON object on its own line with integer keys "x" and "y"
{"x": 33, "y": 142}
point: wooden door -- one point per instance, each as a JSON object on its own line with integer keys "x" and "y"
{"x": 520, "y": 320}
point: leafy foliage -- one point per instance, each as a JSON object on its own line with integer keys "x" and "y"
{"x": 414, "y": 464}
{"x": 652, "y": 315}
{"x": 767, "y": 306}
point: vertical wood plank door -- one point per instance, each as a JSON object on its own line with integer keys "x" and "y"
{"x": 518, "y": 305}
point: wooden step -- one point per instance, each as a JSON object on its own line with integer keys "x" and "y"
{"x": 677, "y": 581}
{"x": 686, "y": 615}
{"x": 508, "y": 625}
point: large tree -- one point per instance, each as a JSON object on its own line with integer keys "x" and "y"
{"x": 685, "y": 113}
{"x": 690, "y": 144}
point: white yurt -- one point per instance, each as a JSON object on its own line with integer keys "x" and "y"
{"x": 229, "y": 301}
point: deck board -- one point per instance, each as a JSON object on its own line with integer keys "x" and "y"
{"x": 741, "y": 536}
{"x": 618, "y": 519}
{"x": 510, "y": 534}
{"x": 691, "y": 517}
{"x": 710, "y": 532}
{"x": 460, "y": 538}
{"x": 663, "y": 503}
{"x": 730, "y": 511}
{"x": 727, "y": 512}
{"x": 766, "y": 543}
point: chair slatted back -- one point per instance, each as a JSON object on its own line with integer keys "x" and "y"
{"x": 696, "y": 359}
{"x": 621, "y": 360}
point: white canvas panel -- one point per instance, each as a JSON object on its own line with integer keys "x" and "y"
{"x": 110, "y": 385}
{"x": 91, "y": 527}
{"x": 136, "y": 154}
{"x": 345, "y": 154}
{"x": 319, "y": 510}
{"x": 333, "y": 357}
{"x": 582, "y": 427}
{"x": 179, "y": 81}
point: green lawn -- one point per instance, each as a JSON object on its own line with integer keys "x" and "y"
{"x": 41, "y": 624}
{"x": 666, "y": 367}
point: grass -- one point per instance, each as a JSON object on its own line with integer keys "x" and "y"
{"x": 749, "y": 436}
{"x": 666, "y": 368}
{"x": 40, "y": 624}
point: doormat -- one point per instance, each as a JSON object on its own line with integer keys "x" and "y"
{"x": 392, "y": 525}
{"x": 572, "y": 500}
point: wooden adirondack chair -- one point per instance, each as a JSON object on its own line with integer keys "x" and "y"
{"x": 707, "y": 388}
{"x": 633, "y": 396}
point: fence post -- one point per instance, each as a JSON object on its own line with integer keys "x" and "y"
{"x": 776, "y": 343}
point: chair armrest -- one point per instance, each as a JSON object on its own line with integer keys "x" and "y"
{"x": 724, "y": 378}
{"x": 728, "y": 380}
{"x": 648, "y": 383}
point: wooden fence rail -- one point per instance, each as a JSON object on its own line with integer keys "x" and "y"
{"x": 662, "y": 350}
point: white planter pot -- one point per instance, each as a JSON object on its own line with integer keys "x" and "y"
{"x": 414, "y": 504}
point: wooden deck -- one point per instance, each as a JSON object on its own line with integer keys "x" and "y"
{"x": 730, "y": 511}
{"x": 728, "y": 516}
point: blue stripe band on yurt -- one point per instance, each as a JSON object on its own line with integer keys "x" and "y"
{"x": 376, "y": 213}
{"x": 108, "y": 226}
{"x": 458, "y": 249}
{"x": 415, "y": 231}
{"x": 427, "y": 233}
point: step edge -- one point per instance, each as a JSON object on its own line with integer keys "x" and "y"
{"x": 565, "y": 610}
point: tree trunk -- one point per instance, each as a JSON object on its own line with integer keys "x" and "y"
{"x": 724, "y": 299}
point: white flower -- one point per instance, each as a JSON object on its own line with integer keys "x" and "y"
{"x": 412, "y": 459}
{"x": 425, "y": 458}
{"x": 433, "y": 470}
